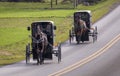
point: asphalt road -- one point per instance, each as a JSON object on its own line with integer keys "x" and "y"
{"x": 106, "y": 64}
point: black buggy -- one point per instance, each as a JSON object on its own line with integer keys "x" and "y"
{"x": 47, "y": 27}
{"x": 84, "y": 15}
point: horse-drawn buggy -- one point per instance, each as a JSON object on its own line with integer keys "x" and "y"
{"x": 82, "y": 27}
{"x": 42, "y": 42}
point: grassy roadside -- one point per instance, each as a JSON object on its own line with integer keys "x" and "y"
{"x": 13, "y": 23}
{"x": 105, "y": 8}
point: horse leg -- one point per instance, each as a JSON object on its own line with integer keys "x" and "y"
{"x": 83, "y": 31}
{"x": 41, "y": 57}
{"x": 38, "y": 59}
{"x": 43, "y": 53}
{"x": 38, "y": 56}
{"x": 79, "y": 36}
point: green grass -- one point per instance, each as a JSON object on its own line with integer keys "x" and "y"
{"x": 12, "y": 35}
{"x": 37, "y": 13}
{"x": 15, "y": 17}
{"x": 32, "y": 10}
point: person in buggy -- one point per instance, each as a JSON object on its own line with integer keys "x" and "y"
{"x": 47, "y": 31}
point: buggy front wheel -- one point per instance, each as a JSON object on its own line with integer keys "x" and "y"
{"x": 59, "y": 53}
{"x": 95, "y": 35}
{"x": 27, "y": 53}
{"x": 70, "y": 36}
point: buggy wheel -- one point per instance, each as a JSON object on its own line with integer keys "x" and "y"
{"x": 94, "y": 35}
{"x": 27, "y": 53}
{"x": 94, "y": 38}
{"x": 70, "y": 36}
{"x": 96, "y": 32}
{"x": 59, "y": 53}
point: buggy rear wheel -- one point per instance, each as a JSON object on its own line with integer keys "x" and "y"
{"x": 27, "y": 53}
{"x": 59, "y": 53}
{"x": 95, "y": 35}
{"x": 70, "y": 36}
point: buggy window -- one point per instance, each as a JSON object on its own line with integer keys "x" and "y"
{"x": 46, "y": 27}
{"x": 85, "y": 16}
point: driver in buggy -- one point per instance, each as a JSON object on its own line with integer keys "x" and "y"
{"x": 47, "y": 31}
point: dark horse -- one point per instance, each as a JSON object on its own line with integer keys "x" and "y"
{"x": 81, "y": 29}
{"x": 41, "y": 45}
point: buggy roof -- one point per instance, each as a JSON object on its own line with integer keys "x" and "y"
{"x": 88, "y": 11}
{"x": 44, "y": 21}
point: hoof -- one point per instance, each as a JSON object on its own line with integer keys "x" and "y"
{"x": 37, "y": 63}
{"x": 42, "y": 62}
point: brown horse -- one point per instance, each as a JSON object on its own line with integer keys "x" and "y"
{"x": 41, "y": 45}
{"x": 81, "y": 27}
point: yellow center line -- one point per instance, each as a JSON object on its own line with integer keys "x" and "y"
{"x": 87, "y": 59}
